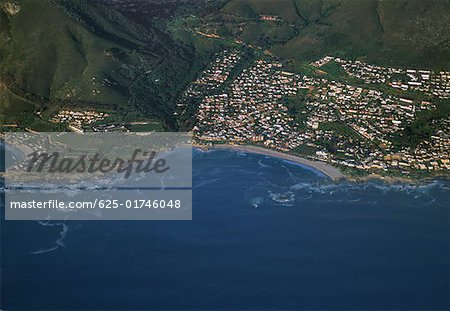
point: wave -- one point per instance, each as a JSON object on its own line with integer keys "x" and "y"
{"x": 432, "y": 194}
{"x": 283, "y": 198}
{"x": 262, "y": 165}
{"x": 204, "y": 183}
{"x": 59, "y": 243}
{"x": 305, "y": 167}
{"x": 256, "y": 202}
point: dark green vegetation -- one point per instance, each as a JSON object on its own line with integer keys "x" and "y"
{"x": 400, "y": 32}
{"x": 341, "y": 128}
{"x": 425, "y": 125}
{"x": 335, "y": 71}
{"x": 297, "y": 108}
{"x": 305, "y": 150}
{"x": 78, "y": 54}
{"x": 147, "y": 127}
{"x": 136, "y": 60}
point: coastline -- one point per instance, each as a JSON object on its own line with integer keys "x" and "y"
{"x": 332, "y": 172}
{"x": 385, "y": 179}
{"x": 327, "y": 169}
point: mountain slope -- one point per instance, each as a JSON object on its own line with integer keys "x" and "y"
{"x": 109, "y": 55}
{"x": 401, "y": 32}
{"x": 71, "y": 52}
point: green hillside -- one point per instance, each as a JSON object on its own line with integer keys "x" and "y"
{"x": 400, "y": 32}
{"x": 76, "y": 53}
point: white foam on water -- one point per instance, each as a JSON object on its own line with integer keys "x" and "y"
{"x": 283, "y": 198}
{"x": 206, "y": 182}
{"x": 262, "y": 165}
{"x": 256, "y": 202}
{"x": 59, "y": 243}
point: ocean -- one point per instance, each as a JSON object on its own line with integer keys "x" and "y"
{"x": 265, "y": 234}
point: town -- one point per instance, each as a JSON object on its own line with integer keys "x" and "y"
{"x": 351, "y": 126}
{"x": 427, "y": 81}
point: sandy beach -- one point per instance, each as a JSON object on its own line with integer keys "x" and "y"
{"x": 332, "y": 172}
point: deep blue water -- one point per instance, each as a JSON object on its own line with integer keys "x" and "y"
{"x": 265, "y": 234}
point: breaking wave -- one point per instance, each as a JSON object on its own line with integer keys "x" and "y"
{"x": 59, "y": 243}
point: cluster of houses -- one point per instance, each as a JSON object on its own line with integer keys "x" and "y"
{"x": 321, "y": 62}
{"x": 270, "y": 18}
{"x": 371, "y": 113}
{"x": 429, "y": 82}
{"x": 252, "y": 109}
{"x": 216, "y": 74}
{"x": 436, "y": 84}
{"x": 433, "y": 154}
{"x": 77, "y": 120}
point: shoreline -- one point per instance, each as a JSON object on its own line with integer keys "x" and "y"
{"x": 330, "y": 171}
{"x": 327, "y": 169}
